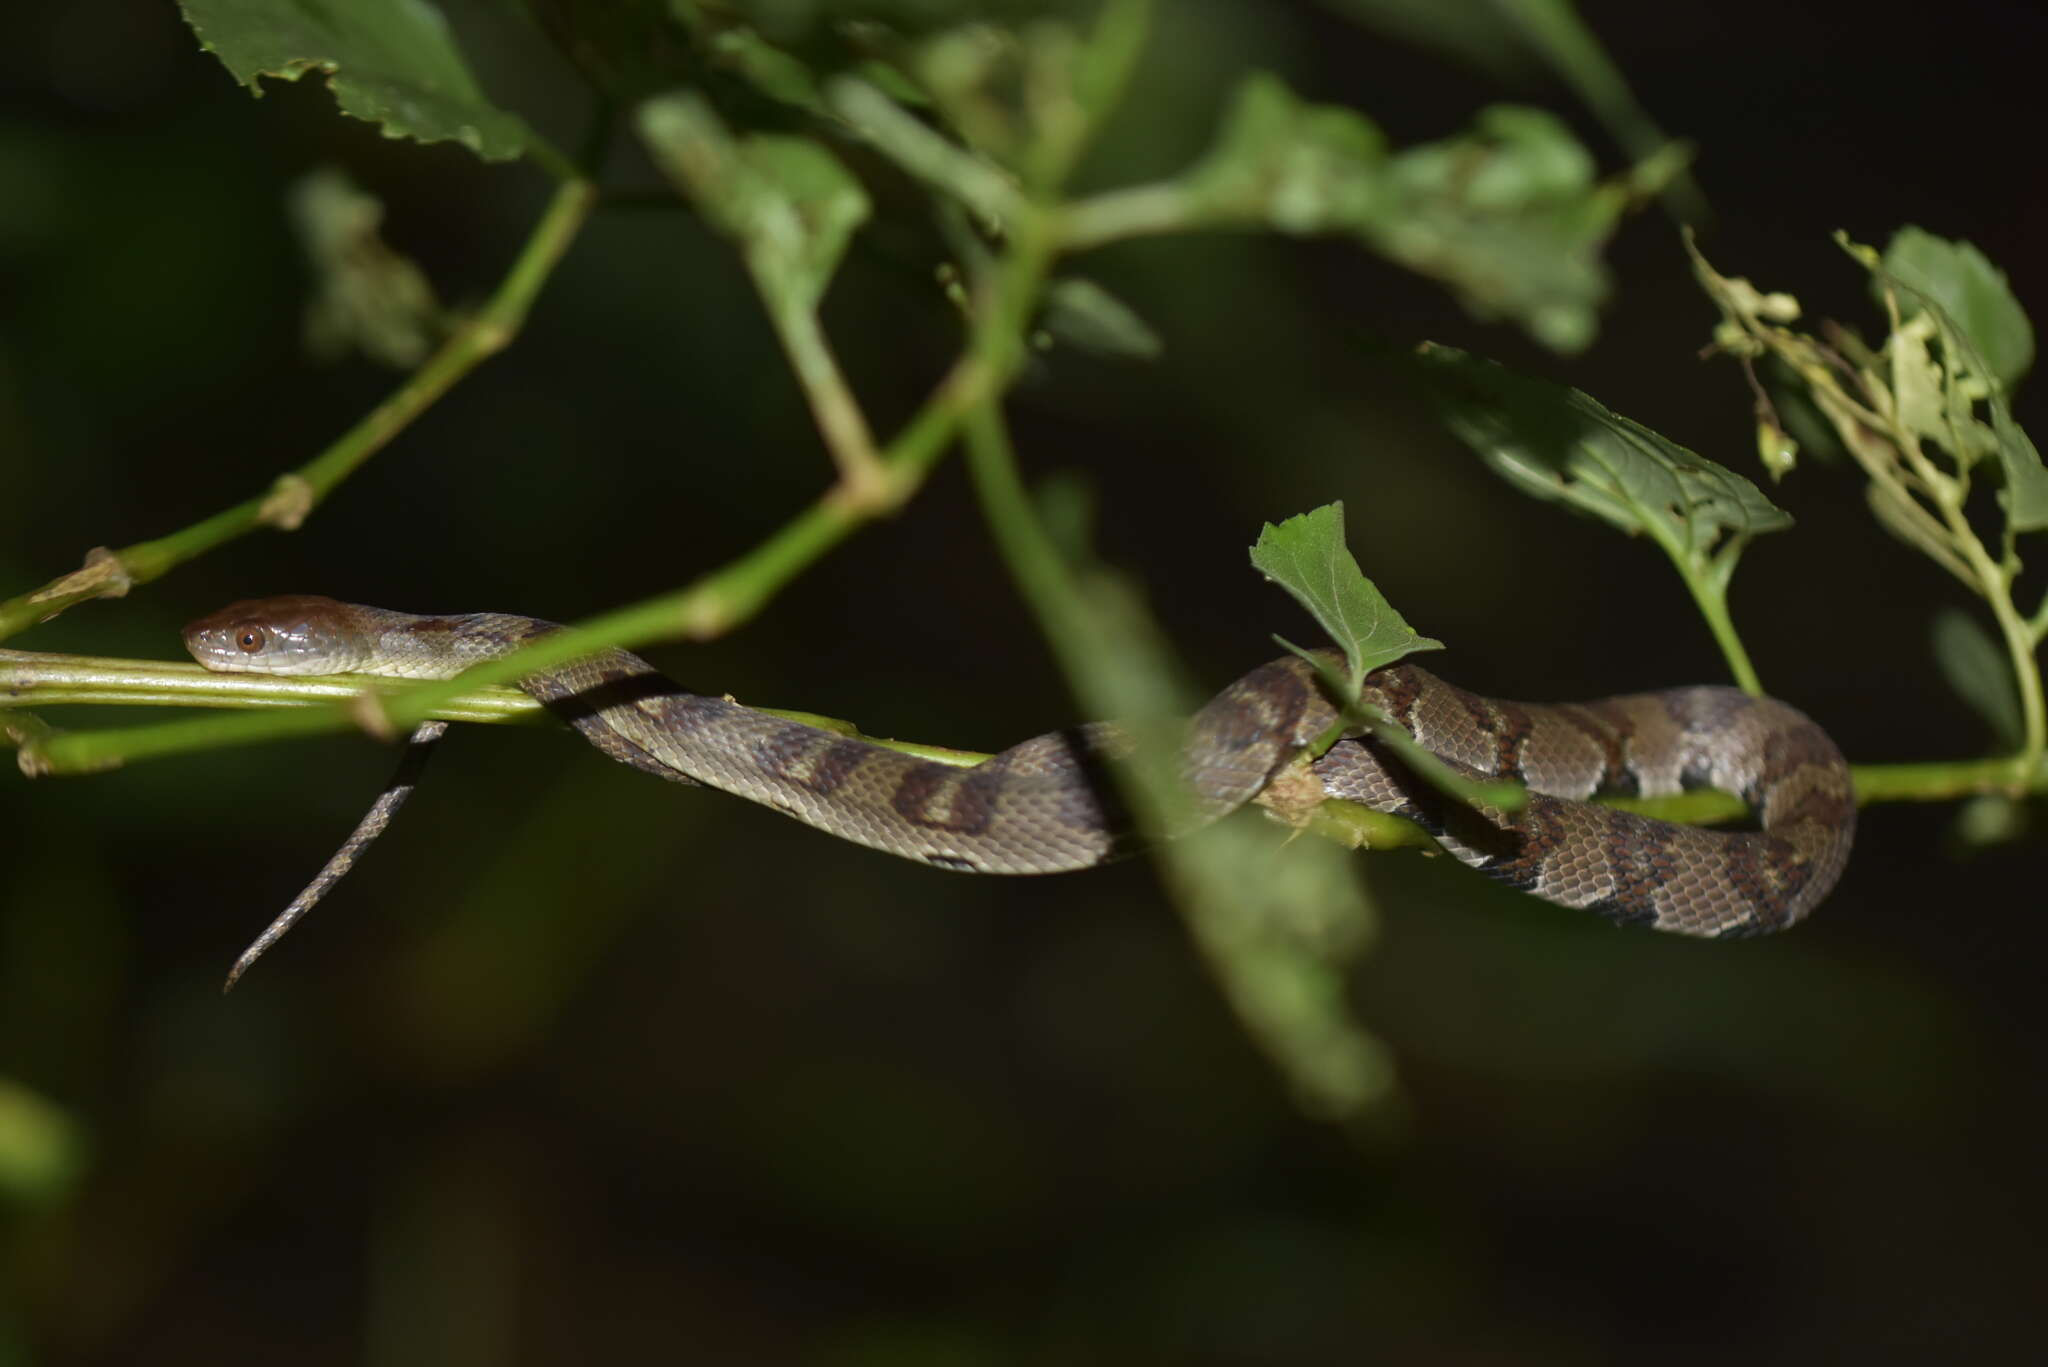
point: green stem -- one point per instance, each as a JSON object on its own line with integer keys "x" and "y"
{"x": 294, "y": 495}
{"x": 1102, "y": 72}
{"x": 1713, "y": 605}
{"x": 706, "y": 608}
{"x": 833, "y": 407}
{"x": 35, "y": 679}
{"x": 1115, "y": 215}
{"x": 28, "y": 678}
{"x": 1994, "y": 583}
{"x": 2020, "y": 644}
{"x": 921, "y": 150}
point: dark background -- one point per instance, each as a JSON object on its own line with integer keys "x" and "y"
{"x": 582, "y": 1066}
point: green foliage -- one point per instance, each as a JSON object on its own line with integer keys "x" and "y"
{"x": 783, "y": 126}
{"x": 1306, "y": 556}
{"x": 787, "y": 201}
{"x": 1926, "y": 417}
{"x": 1937, "y": 389}
{"x": 1560, "y": 445}
{"x": 1980, "y": 673}
{"x": 1969, "y": 290}
{"x": 1509, "y": 216}
{"x": 1084, "y": 315}
{"x": 393, "y": 63}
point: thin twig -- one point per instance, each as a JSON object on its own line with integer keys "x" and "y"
{"x": 293, "y": 496}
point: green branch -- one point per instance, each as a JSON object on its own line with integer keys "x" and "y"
{"x": 34, "y": 679}
{"x": 709, "y": 607}
{"x": 293, "y": 496}
{"x": 1891, "y": 409}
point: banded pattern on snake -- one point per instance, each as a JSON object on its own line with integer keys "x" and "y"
{"x": 1046, "y": 806}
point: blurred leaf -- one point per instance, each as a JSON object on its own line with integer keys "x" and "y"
{"x": 1296, "y": 167}
{"x": 1089, "y": 318}
{"x": 1279, "y": 923}
{"x": 786, "y": 200}
{"x": 1306, "y": 556}
{"x": 1938, "y": 396}
{"x": 1027, "y": 94}
{"x": 393, "y": 63}
{"x": 1980, "y": 672}
{"x": 772, "y": 71}
{"x": 368, "y": 296}
{"x": 41, "y": 1152}
{"x": 1555, "y": 29}
{"x": 2026, "y": 480}
{"x": 1510, "y": 215}
{"x": 1280, "y": 928}
{"x": 1508, "y": 38}
{"x": 1971, "y": 290}
{"x": 1561, "y": 445}
{"x": 1986, "y": 820}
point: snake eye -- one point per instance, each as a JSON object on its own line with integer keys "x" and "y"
{"x": 251, "y": 640}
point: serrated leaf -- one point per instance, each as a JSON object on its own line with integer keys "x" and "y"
{"x": 1562, "y": 445}
{"x": 787, "y": 201}
{"x": 393, "y": 63}
{"x": 1972, "y": 291}
{"x": 1306, "y": 556}
{"x": 1980, "y": 672}
{"x": 1964, "y": 378}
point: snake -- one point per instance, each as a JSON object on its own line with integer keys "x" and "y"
{"x": 1051, "y": 804}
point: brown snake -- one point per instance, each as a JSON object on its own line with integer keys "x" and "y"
{"x": 1044, "y": 805}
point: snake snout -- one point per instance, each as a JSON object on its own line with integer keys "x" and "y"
{"x": 294, "y": 634}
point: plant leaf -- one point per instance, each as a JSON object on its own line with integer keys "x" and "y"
{"x": 1971, "y": 290}
{"x": 787, "y": 201}
{"x": 1509, "y": 215}
{"x": 1980, "y": 672}
{"x": 1562, "y": 445}
{"x": 1089, "y": 318}
{"x": 1963, "y": 378}
{"x": 393, "y": 63}
{"x": 1306, "y": 556}
{"x": 1280, "y": 925}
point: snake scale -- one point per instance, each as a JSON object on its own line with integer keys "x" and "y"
{"x": 1045, "y": 805}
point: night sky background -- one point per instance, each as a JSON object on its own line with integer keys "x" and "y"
{"x": 581, "y": 1066}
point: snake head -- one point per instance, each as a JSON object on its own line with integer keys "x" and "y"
{"x": 292, "y": 634}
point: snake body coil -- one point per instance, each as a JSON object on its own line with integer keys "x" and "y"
{"x": 1045, "y": 806}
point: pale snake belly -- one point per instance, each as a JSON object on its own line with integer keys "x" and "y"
{"x": 1047, "y": 805}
